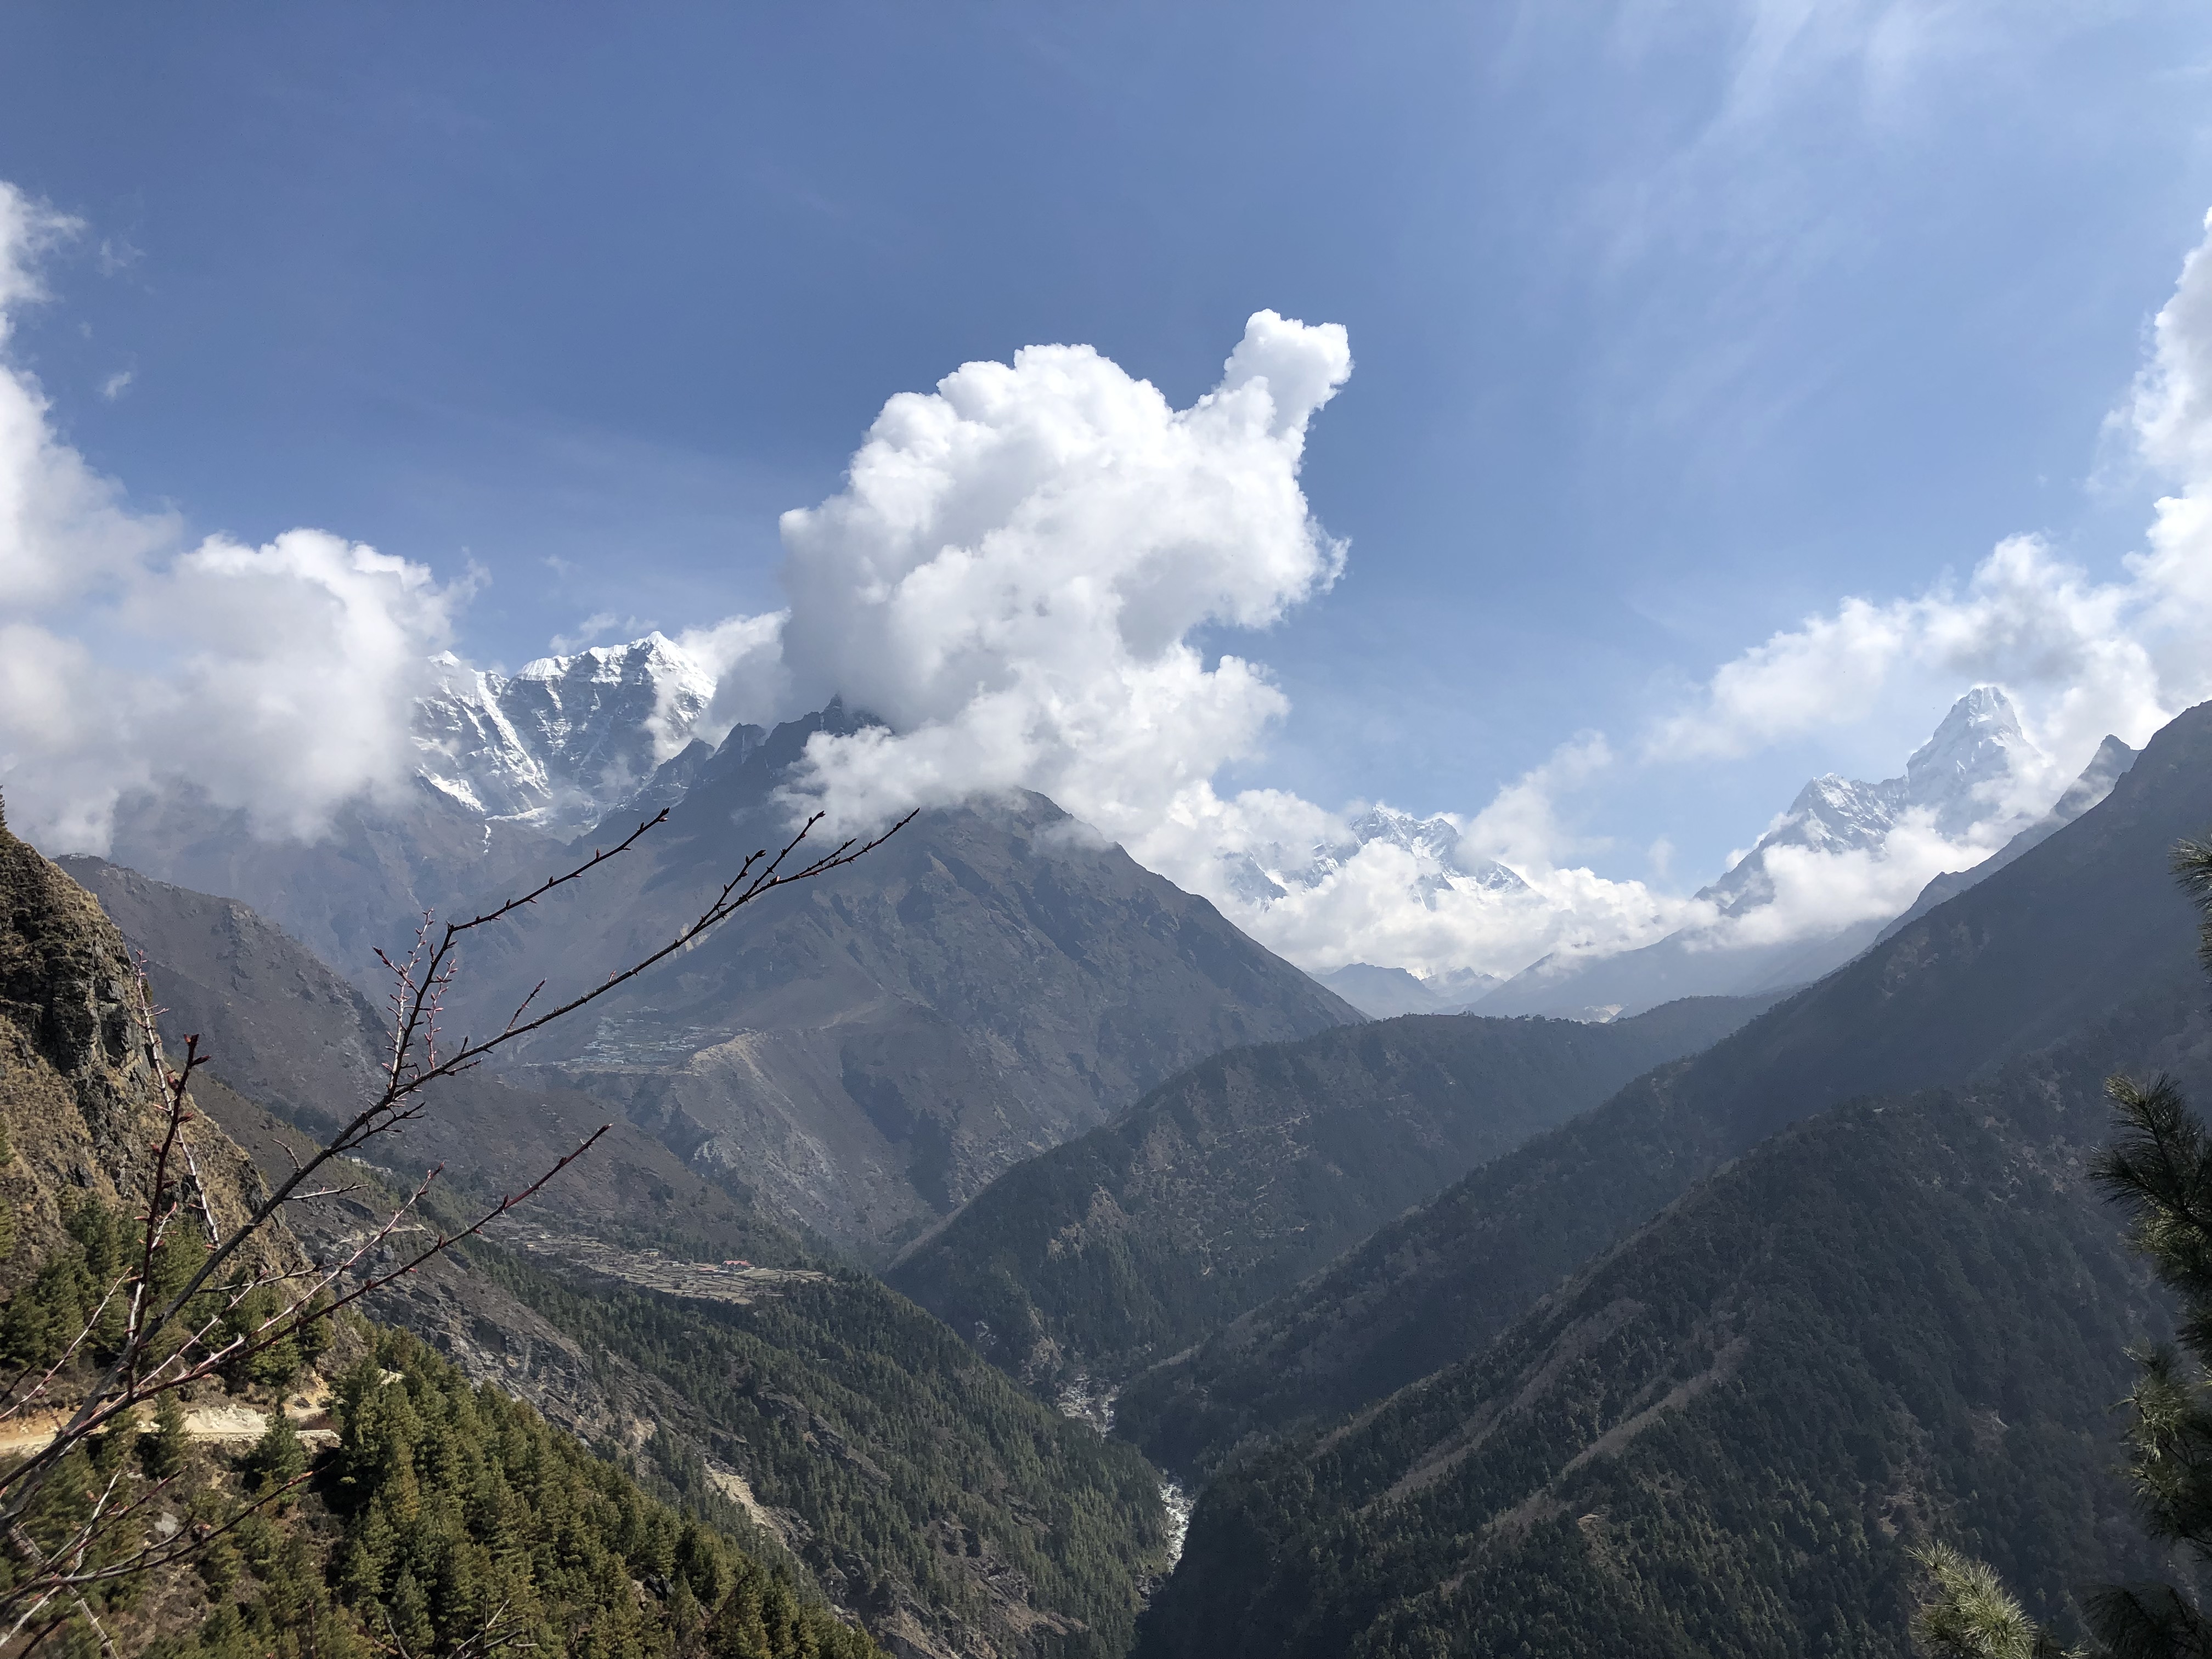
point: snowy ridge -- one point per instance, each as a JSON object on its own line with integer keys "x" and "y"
{"x": 567, "y": 738}
{"x": 1966, "y": 784}
{"x": 1432, "y": 843}
{"x": 1834, "y": 870}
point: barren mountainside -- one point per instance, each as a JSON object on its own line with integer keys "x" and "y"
{"x": 868, "y": 1050}
{"x": 861, "y": 1053}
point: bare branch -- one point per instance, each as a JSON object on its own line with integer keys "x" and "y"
{"x": 412, "y": 1063}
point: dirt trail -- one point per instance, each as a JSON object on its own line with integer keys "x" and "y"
{"x": 309, "y": 1408}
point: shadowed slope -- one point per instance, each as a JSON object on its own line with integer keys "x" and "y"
{"x": 868, "y": 1050}
{"x": 1723, "y": 1437}
{"x": 2072, "y": 929}
{"x": 1236, "y": 1179}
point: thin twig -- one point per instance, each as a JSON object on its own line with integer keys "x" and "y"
{"x": 413, "y": 1063}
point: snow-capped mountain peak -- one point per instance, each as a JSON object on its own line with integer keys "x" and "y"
{"x": 1970, "y": 778}
{"x": 1975, "y": 760}
{"x": 1432, "y": 843}
{"x": 565, "y": 738}
{"x": 1264, "y": 876}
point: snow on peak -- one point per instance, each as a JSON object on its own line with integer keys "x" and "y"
{"x": 1975, "y": 782}
{"x": 1422, "y": 857}
{"x": 1967, "y": 771}
{"x": 1432, "y": 843}
{"x": 565, "y": 739}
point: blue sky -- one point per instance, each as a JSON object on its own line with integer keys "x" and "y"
{"x": 1672, "y": 325}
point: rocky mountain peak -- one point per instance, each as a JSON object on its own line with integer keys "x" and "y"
{"x": 566, "y": 738}
{"x": 1962, "y": 770}
{"x": 1978, "y": 758}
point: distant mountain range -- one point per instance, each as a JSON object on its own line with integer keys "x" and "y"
{"x": 858, "y": 1055}
{"x": 1964, "y": 786}
{"x": 1432, "y": 842}
{"x": 1387, "y": 992}
{"x": 569, "y": 742}
{"x": 1236, "y": 1179}
{"x": 565, "y": 740}
{"x": 1672, "y": 1332}
{"x": 2062, "y": 938}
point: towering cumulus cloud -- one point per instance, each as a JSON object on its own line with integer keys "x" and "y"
{"x": 1013, "y": 575}
{"x": 279, "y": 678}
{"x": 1016, "y": 580}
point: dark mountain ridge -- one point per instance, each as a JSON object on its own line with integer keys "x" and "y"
{"x": 868, "y": 1050}
{"x": 1239, "y": 1177}
{"x": 1904, "y": 1318}
{"x": 2072, "y": 929}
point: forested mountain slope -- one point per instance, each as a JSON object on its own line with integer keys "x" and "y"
{"x": 908, "y": 1482}
{"x": 2070, "y": 931}
{"x": 444, "y": 1517}
{"x": 1239, "y": 1177}
{"x": 1907, "y": 1317}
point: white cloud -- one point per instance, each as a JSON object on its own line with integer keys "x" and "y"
{"x": 1022, "y": 576}
{"x": 1014, "y": 577}
{"x": 1818, "y": 893}
{"x": 117, "y": 383}
{"x": 1015, "y": 570}
{"x": 63, "y": 530}
{"x": 744, "y": 655}
{"x": 278, "y": 678}
{"x": 1015, "y": 574}
{"x": 2083, "y": 656}
{"x": 1389, "y": 904}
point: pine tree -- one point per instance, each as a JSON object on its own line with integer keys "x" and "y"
{"x": 2160, "y": 1167}
{"x": 407, "y": 1615}
{"x": 167, "y": 1448}
{"x": 277, "y": 1456}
